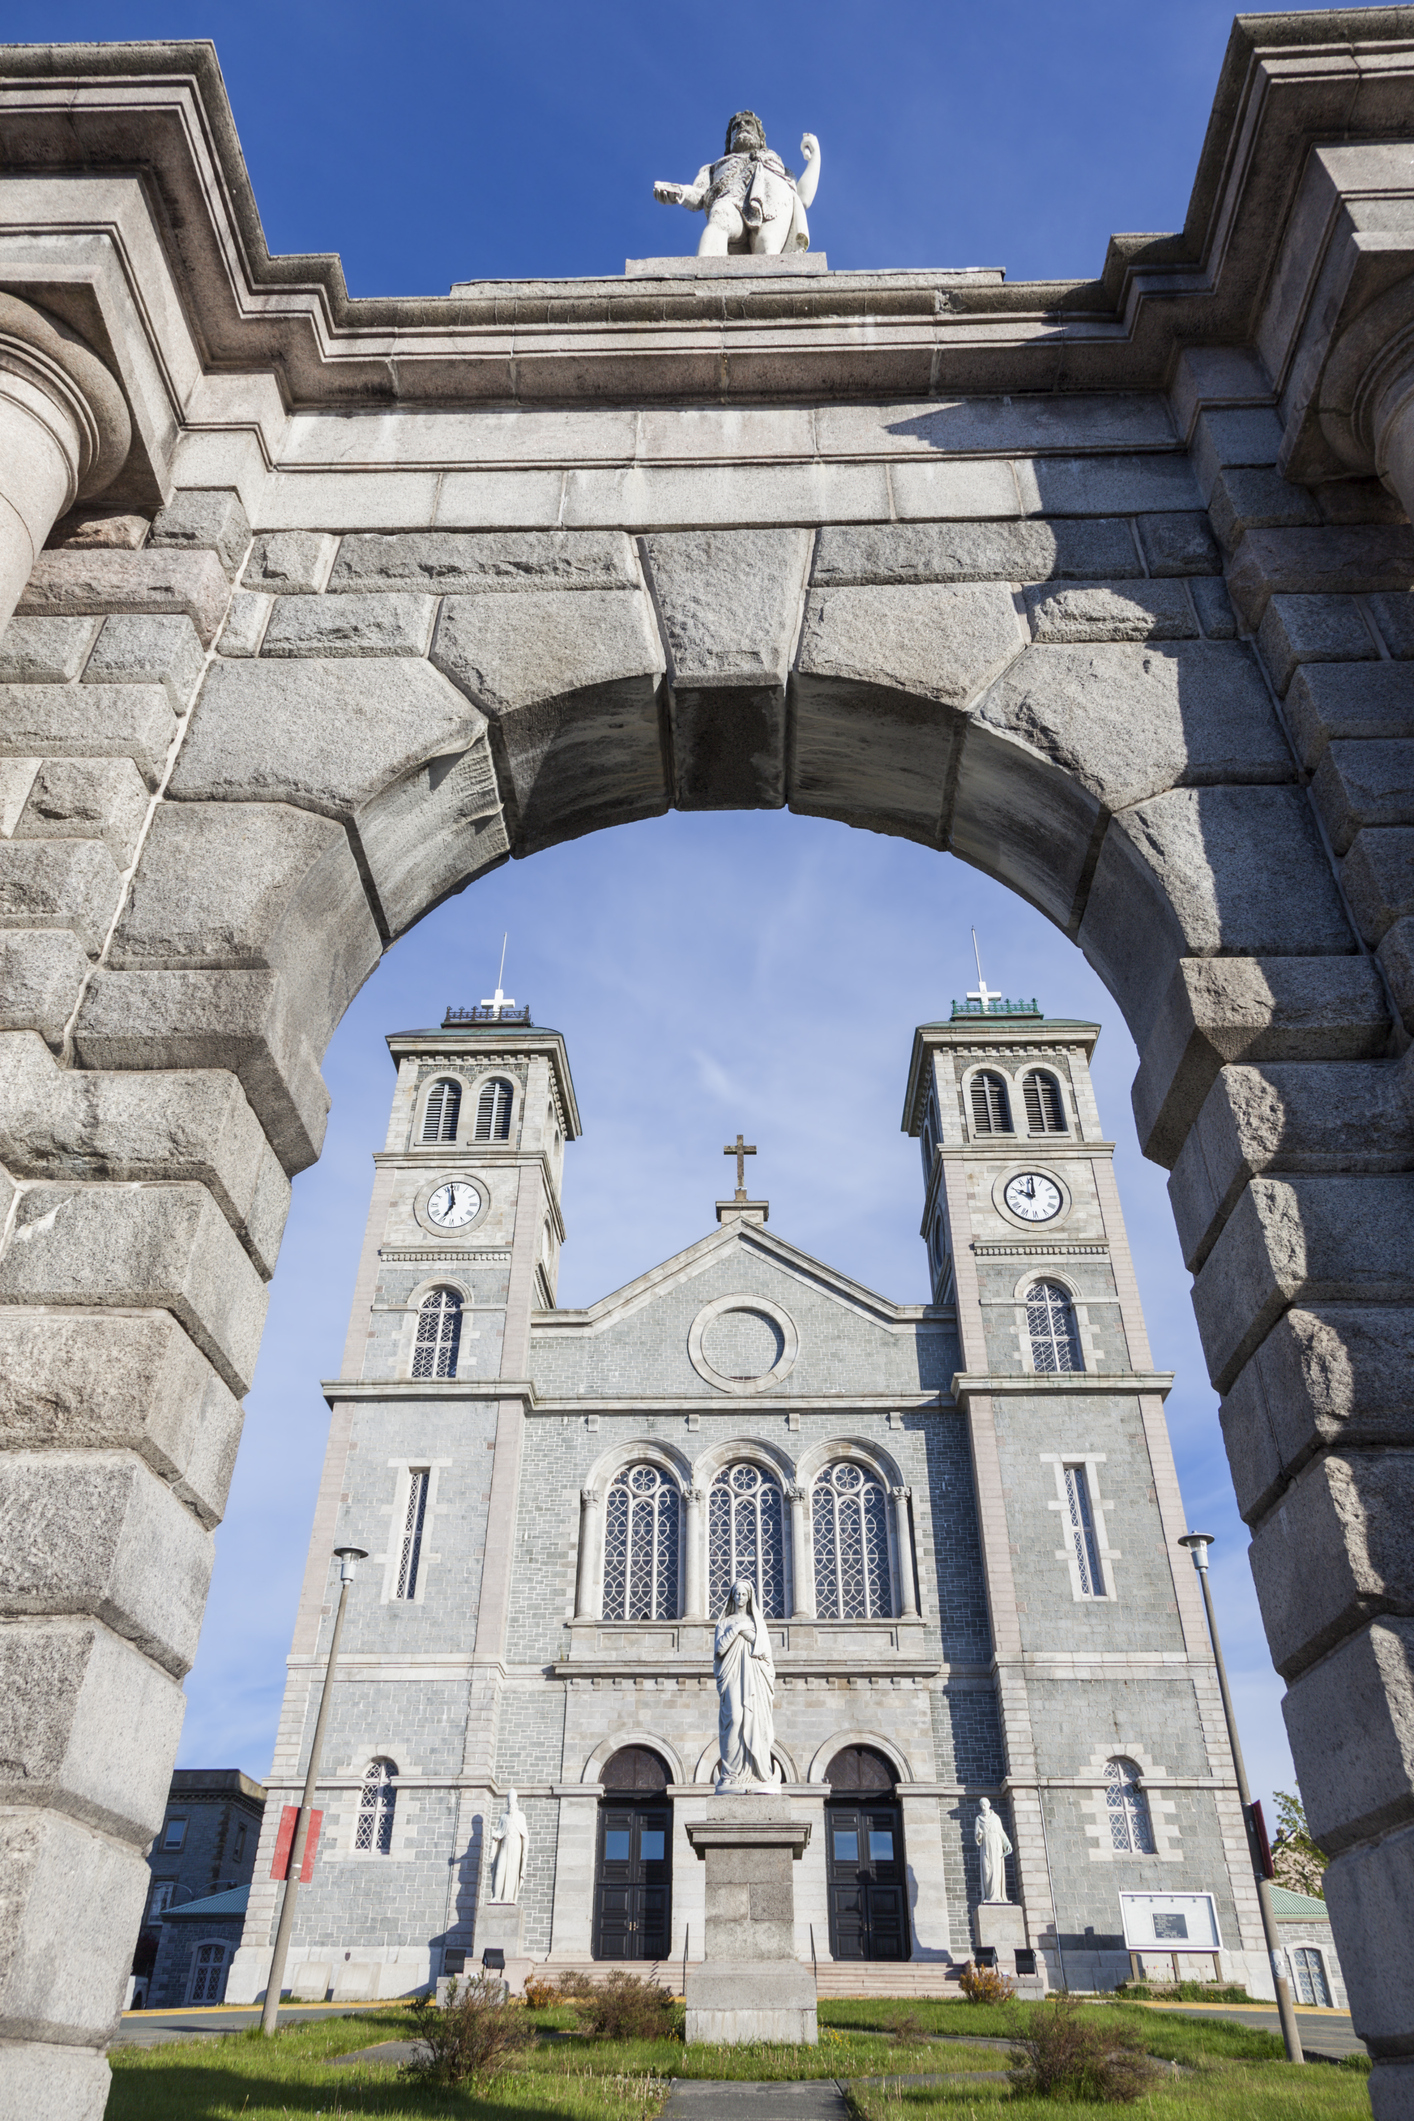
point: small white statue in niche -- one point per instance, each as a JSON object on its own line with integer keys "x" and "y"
{"x": 752, "y": 202}
{"x": 511, "y": 1842}
{"x": 991, "y": 1837}
{"x": 745, "y": 1671}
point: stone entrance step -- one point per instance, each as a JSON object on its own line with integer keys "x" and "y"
{"x": 703, "y": 2099}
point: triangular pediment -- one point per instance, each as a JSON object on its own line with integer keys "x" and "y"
{"x": 740, "y": 1297}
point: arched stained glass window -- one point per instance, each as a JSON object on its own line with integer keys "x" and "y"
{"x": 991, "y": 1107}
{"x": 439, "y": 1332}
{"x": 1050, "y": 1321}
{"x": 208, "y": 1974}
{"x": 493, "y": 1111}
{"x": 849, "y": 1520}
{"x": 439, "y": 1117}
{"x": 746, "y": 1541}
{"x": 1045, "y": 1107}
{"x": 1312, "y": 1987}
{"x": 1131, "y": 1831}
{"x": 641, "y": 1546}
{"x": 374, "y": 1833}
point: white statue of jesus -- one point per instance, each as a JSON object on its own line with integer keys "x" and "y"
{"x": 511, "y": 1842}
{"x": 752, "y": 202}
{"x": 991, "y": 1838}
{"x": 745, "y": 1672}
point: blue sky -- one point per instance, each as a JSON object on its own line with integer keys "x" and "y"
{"x": 710, "y": 972}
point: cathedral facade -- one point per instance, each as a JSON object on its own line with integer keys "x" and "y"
{"x": 960, "y": 1518}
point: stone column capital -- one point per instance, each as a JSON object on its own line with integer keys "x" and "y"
{"x": 589, "y": 1496}
{"x": 61, "y": 381}
{"x": 902, "y": 1494}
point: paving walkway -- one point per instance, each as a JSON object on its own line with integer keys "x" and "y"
{"x": 157, "y": 2028}
{"x": 1329, "y": 2033}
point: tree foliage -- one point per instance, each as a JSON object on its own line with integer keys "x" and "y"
{"x": 1298, "y": 1863}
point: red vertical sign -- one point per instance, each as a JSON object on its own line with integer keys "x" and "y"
{"x": 284, "y": 1841}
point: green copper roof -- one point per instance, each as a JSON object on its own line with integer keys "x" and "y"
{"x": 1297, "y": 1907}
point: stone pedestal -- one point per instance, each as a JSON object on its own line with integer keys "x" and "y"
{"x": 750, "y": 1985}
{"x": 1000, "y": 1927}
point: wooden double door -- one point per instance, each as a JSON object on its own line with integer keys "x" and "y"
{"x": 633, "y": 1879}
{"x": 867, "y": 1880}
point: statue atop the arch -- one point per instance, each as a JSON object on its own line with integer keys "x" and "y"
{"x": 991, "y": 1837}
{"x": 752, "y": 202}
{"x": 745, "y": 1672}
{"x": 511, "y": 1842}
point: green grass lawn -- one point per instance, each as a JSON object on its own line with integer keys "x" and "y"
{"x": 1228, "y": 2071}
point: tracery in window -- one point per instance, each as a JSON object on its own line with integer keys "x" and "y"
{"x": 1131, "y": 1831}
{"x": 374, "y": 1833}
{"x": 991, "y": 1107}
{"x": 439, "y": 1118}
{"x": 641, "y": 1546}
{"x": 1045, "y": 1107}
{"x": 439, "y": 1332}
{"x": 410, "y": 1554}
{"x": 208, "y": 1974}
{"x": 493, "y": 1111}
{"x": 1080, "y": 1518}
{"x": 1309, "y": 1968}
{"x": 746, "y": 1541}
{"x": 849, "y": 1520}
{"x": 1050, "y": 1321}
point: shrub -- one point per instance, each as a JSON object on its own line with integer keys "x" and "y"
{"x": 907, "y": 2031}
{"x": 627, "y": 2007}
{"x": 474, "y": 2034}
{"x": 985, "y": 1984}
{"x": 541, "y": 1993}
{"x": 1065, "y": 2056}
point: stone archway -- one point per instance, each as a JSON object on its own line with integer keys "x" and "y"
{"x": 371, "y": 597}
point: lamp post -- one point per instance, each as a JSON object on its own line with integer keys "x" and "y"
{"x": 1198, "y": 1544}
{"x": 270, "y": 2015}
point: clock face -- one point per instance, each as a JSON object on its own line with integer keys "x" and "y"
{"x": 1033, "y": 1198}
{"x": 454, "y": 1205}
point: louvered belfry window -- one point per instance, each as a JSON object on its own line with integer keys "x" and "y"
{"x": 1131, "y": 1830}
{"x": 641, "y": 1546}
{"x": 849, "y": 1521}
{"x": 1050, "y": 1321}
{"x": 374, "y": 1834}
{"x": 1045, "y": 1107}
{"x": 439, "y": 1332}
{"x": 746, "y": 1538}
{"x": 439, "y": 1119}
{"x": 991, "y": 1108}
{"x": 493, "y": 1111}
{"x": 410, "y": 1556}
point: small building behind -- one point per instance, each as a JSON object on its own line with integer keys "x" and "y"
{"x": 1304, "y": 1926}
{"x": 195, "y": 1947}
{"x": 204, "y": 1851}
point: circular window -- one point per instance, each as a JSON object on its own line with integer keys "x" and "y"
{"x": 743, "y": 1344}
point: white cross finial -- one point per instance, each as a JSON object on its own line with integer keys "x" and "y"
{"x": 500, "y": 1002}
{"x": 981, "y": 992}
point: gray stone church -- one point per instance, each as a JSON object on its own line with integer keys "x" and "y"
{"x": 960, "y": 1516}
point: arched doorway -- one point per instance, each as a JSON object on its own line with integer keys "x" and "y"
{"x": 633, "y": 1862}
{"x": 864, "y": 1858}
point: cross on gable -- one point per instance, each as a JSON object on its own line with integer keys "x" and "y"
{"x": 984, "y": 994}
{"x": 740, "y": 1150}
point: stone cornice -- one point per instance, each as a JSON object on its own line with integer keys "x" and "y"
{"x": 159, "y": 113}
{"x": 1008, "y": 1384}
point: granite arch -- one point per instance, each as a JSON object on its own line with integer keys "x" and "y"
{"x": 1157, "y": 757}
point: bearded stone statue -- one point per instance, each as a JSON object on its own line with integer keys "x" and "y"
{"x": 752, "y": 202}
